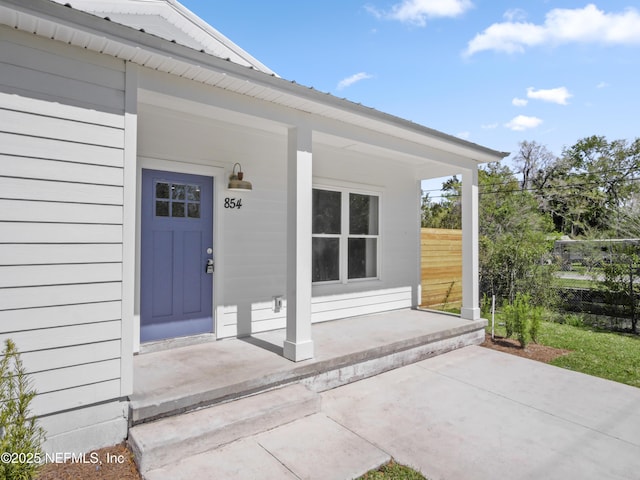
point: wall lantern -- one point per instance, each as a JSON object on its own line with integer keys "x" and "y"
{"x": 236, "y": 182}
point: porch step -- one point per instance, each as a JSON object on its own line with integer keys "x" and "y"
{"x": 166, "y": 441}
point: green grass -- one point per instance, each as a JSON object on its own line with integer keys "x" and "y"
{"x": 604, "y": 354}
{"x": 392, "y": 471}
{"x": 614, "y": 356}
{"x": 573, "y": 283}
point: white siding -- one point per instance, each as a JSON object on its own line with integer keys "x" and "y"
{"x": 333, "y": 307}
{"x": 61, "y": 211}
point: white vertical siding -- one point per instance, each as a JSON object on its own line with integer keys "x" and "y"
{"x": 61, "y": 215}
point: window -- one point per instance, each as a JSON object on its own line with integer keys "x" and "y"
{"x": 177, "y": 200}
{"x": 345, "y": 235}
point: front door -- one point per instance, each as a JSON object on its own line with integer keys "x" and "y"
{"x": 176, "y": 280}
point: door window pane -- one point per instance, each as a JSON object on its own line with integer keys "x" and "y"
{"x": 363, "y": 214}
{"x": 325, "y": 259}
{"x": 162, "y": 190}
{"x": 363, "y": 257}
{"x": 193, "y": 210}
{"x": 177, "y": 209}
{"x": 162, "y": 208}
{"x": 193, "y": 193}
{"x": 177, "y": 191}
{"x": 326, "y": 211}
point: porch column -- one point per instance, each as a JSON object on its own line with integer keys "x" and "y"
{"x": 298, "y": 344}
{"x": 470, "y": 271}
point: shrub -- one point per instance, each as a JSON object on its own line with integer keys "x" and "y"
{"x": 522, "y": 319}
{"x": 20, "y": 437}
{"x": 534, "y": 325}
{"x": 573, "y": 320}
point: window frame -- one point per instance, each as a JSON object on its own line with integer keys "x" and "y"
{"x": 345, "y": 235}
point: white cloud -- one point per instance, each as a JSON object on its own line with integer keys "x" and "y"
{"x": 463, "y": 135}
{"x": 347, "y": 82}
{"x": 489, "y": 126}
{"x": 561, "y": 25}
{"x": 417, "y": 12}
{"x": 558, "y": 95}
{"x": 602, "y": 85}
{"x": 522, "y": 122}
{"x": 519, "y": 102}
{"x": 514, "y": 14}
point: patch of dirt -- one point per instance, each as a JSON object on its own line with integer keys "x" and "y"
{"x": 534, "y": 351}
{"x": 111, "y": 463}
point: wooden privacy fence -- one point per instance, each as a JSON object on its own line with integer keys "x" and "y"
{"x": 441, "y": 267}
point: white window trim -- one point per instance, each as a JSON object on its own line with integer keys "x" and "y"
{"x": 345, "y": 189}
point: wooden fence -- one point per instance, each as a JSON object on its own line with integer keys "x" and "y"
{"x": 441, "y": 267}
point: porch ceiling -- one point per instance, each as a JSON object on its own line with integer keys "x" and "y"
{"x": 218, "y": 119}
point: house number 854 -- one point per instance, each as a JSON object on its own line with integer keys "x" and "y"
{"x": 232, "y": 203}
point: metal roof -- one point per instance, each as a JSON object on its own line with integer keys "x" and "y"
{"x": 66, "y": 24}
{"x": 172, "y": 21}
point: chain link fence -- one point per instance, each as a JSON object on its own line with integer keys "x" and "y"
{"x": 578, "y": 307}
{"x": 598, "y": 281}
{"x": 590, "y": 306}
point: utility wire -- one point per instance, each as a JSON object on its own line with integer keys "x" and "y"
{"x": 599, "y": 172}
{"x": 514, "y": 190}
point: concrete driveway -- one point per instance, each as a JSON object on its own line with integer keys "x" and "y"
{"x": 471, "y": 414}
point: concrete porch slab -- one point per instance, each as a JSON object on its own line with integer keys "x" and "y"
{"x": 182, "y": 379}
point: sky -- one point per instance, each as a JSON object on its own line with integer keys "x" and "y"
{"x": 489, "y": 71}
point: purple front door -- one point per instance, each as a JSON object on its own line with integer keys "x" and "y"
{"x": 176, "y": 283}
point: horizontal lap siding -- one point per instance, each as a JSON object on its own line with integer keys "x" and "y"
{"x": 330, "y": 307}
{"x": 333, "y": 307}
{"x": 61, "y": 214}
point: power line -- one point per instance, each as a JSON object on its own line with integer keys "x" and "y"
{"x": 495, "y": 192}
{"x": 575, "y": 174}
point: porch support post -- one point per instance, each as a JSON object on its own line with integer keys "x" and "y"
{"x": 298, "y": 344}
{"x": 470, "y": 270}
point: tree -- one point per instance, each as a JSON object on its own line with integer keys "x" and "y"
{"x": 586, "y": 187}
{"x": 446, "y": 213}
{"x": 625, "y": 221}
{"x": 620, "y": 285}
{"x": 533, "y": 161}
{"x": 608, "y": 166}
{"x": 515, "y": 239}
